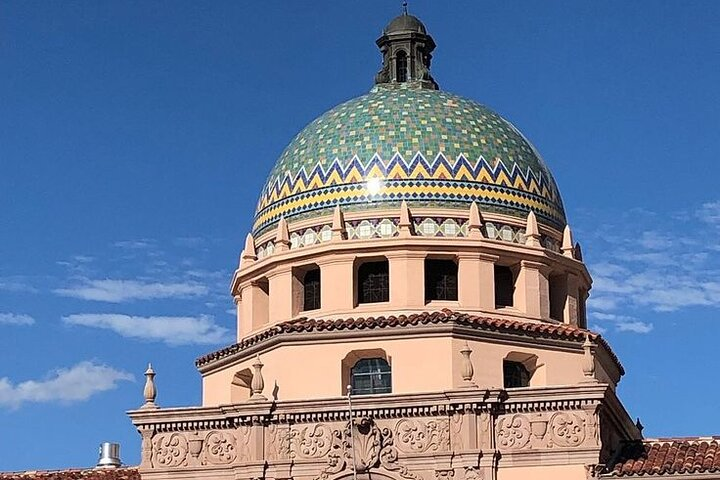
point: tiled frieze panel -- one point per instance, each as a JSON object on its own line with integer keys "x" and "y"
{"x": 388, "y": 227}
{"x": 372, "y": 228}
{"x": 440, "y": 227}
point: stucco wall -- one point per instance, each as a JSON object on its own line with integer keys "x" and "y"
{"x": 314, "y": 370}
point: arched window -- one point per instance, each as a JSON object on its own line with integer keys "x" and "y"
{"x": 504, "y": 286}
{"x": 370, "y": 376}
{"x": 515, "y": 374}
{"x": 374, "y": 282}
{"x": 401, "y": 65}
{"x": 311, "y": 289}
{"x": 441, "y": 280}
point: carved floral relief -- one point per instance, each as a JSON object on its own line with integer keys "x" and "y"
{"x": 220, "y": 448}
{"x": 311, "y": 441}
{"x": 415, "y": 436}
{"x": 364, "y": 445}
{"x": 170, "y": 450}
{"x": 278, "y": 442}
{"x": 543, "y": 430}
{"x": 513, "y": 432}
{"x": 567, "y": 429}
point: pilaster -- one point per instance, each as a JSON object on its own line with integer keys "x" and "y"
{"x": 255, "y": 307}
{"x": 532, "y": 292}
{"x": 407, "y": 279}
{"x": 476, "y": 284}
{"x": 572, "y": 300}
{"x": 237, "y": 300}
{"x": 283, "y": 303}
{"x": 336, "y": 283}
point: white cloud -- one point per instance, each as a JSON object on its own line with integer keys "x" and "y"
{"x": 171, "y": 330}
{"x": 655, "y": 240}
{"x": 117, "y": 291}
{"x": 636, "y": 327}
{"x": 65, "y": 385}
{"x": 710, "y": 213}
{"x": 611, "y": 316}
{"x": 664, "y": 263}
{"x": 16, "y": 285}
{"x": 602, "y": 303}
{"x": 598, "y": 329}
{"x": 134, "y": 244}
{"x": 16, "y": 319}
{"x": 622, "y": 323}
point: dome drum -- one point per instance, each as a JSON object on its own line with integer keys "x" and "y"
{"x": 268, "y": 286}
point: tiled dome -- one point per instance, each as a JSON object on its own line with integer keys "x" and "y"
{"x": 399, "y": 142}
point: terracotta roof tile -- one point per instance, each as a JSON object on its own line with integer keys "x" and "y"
{"x": 124, "y": 473}
{"x": 667, "y": 457}
{"x": 306, "y": 325}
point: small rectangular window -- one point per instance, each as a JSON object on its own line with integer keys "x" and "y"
{"x": 311, "y": 289}
{"x": 504, "y": 286}
{"x": 370, "y": 376}
{"x": 441, "y": 280}
{"x": 515, "y": 374}
{"x": 374, "y": 282}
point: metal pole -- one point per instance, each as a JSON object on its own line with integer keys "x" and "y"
{"x": 352, "y": 440}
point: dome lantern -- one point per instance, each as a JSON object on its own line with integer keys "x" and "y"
{"x": 407, "y": 51}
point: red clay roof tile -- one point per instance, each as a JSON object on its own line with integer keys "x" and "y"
{"x": 667, "y": 457}
{"x": 124, "y": 473}
{"x": 305, "y": 325}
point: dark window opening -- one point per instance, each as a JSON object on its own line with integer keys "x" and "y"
{"x": 401, "y": 63}
{"x": 374, "y": 282}
{"x": 557, "y": 291}
{"x": 370, "y": 376}
{"x": 582, "y": 309}
{"x": 504, "y": 286}
{"x": 311, "y": 290}
{"x": 515, "y": 374}
{"x": 441, "y": 280}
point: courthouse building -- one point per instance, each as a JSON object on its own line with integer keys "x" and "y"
{"x": 410, "y": 306}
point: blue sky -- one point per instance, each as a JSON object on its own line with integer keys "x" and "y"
{"x": 135, "y": 136}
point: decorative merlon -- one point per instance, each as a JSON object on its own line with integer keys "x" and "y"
{"x": 467, "y": 370}
{"x": 588, "y": 362}
{"x": 567, "y": 243}
{"x": 257, "y": 385}
{"x": 405, "y": 224}
{"x": 282, "y": 237}
{"x": 578, "y": 252}
{"x": 532, "y": 233}
{"x": 338, "y": 225}
{"x": 248, "y": 254}
{"x": 475, "y": 222}
{"x": 150, "y": 391}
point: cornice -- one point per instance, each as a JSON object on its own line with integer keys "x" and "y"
{"x": 536, "y": 399}
{"x": 541, "y": 334}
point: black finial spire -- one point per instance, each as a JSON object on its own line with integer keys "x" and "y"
{"x": 405, "y": 7}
